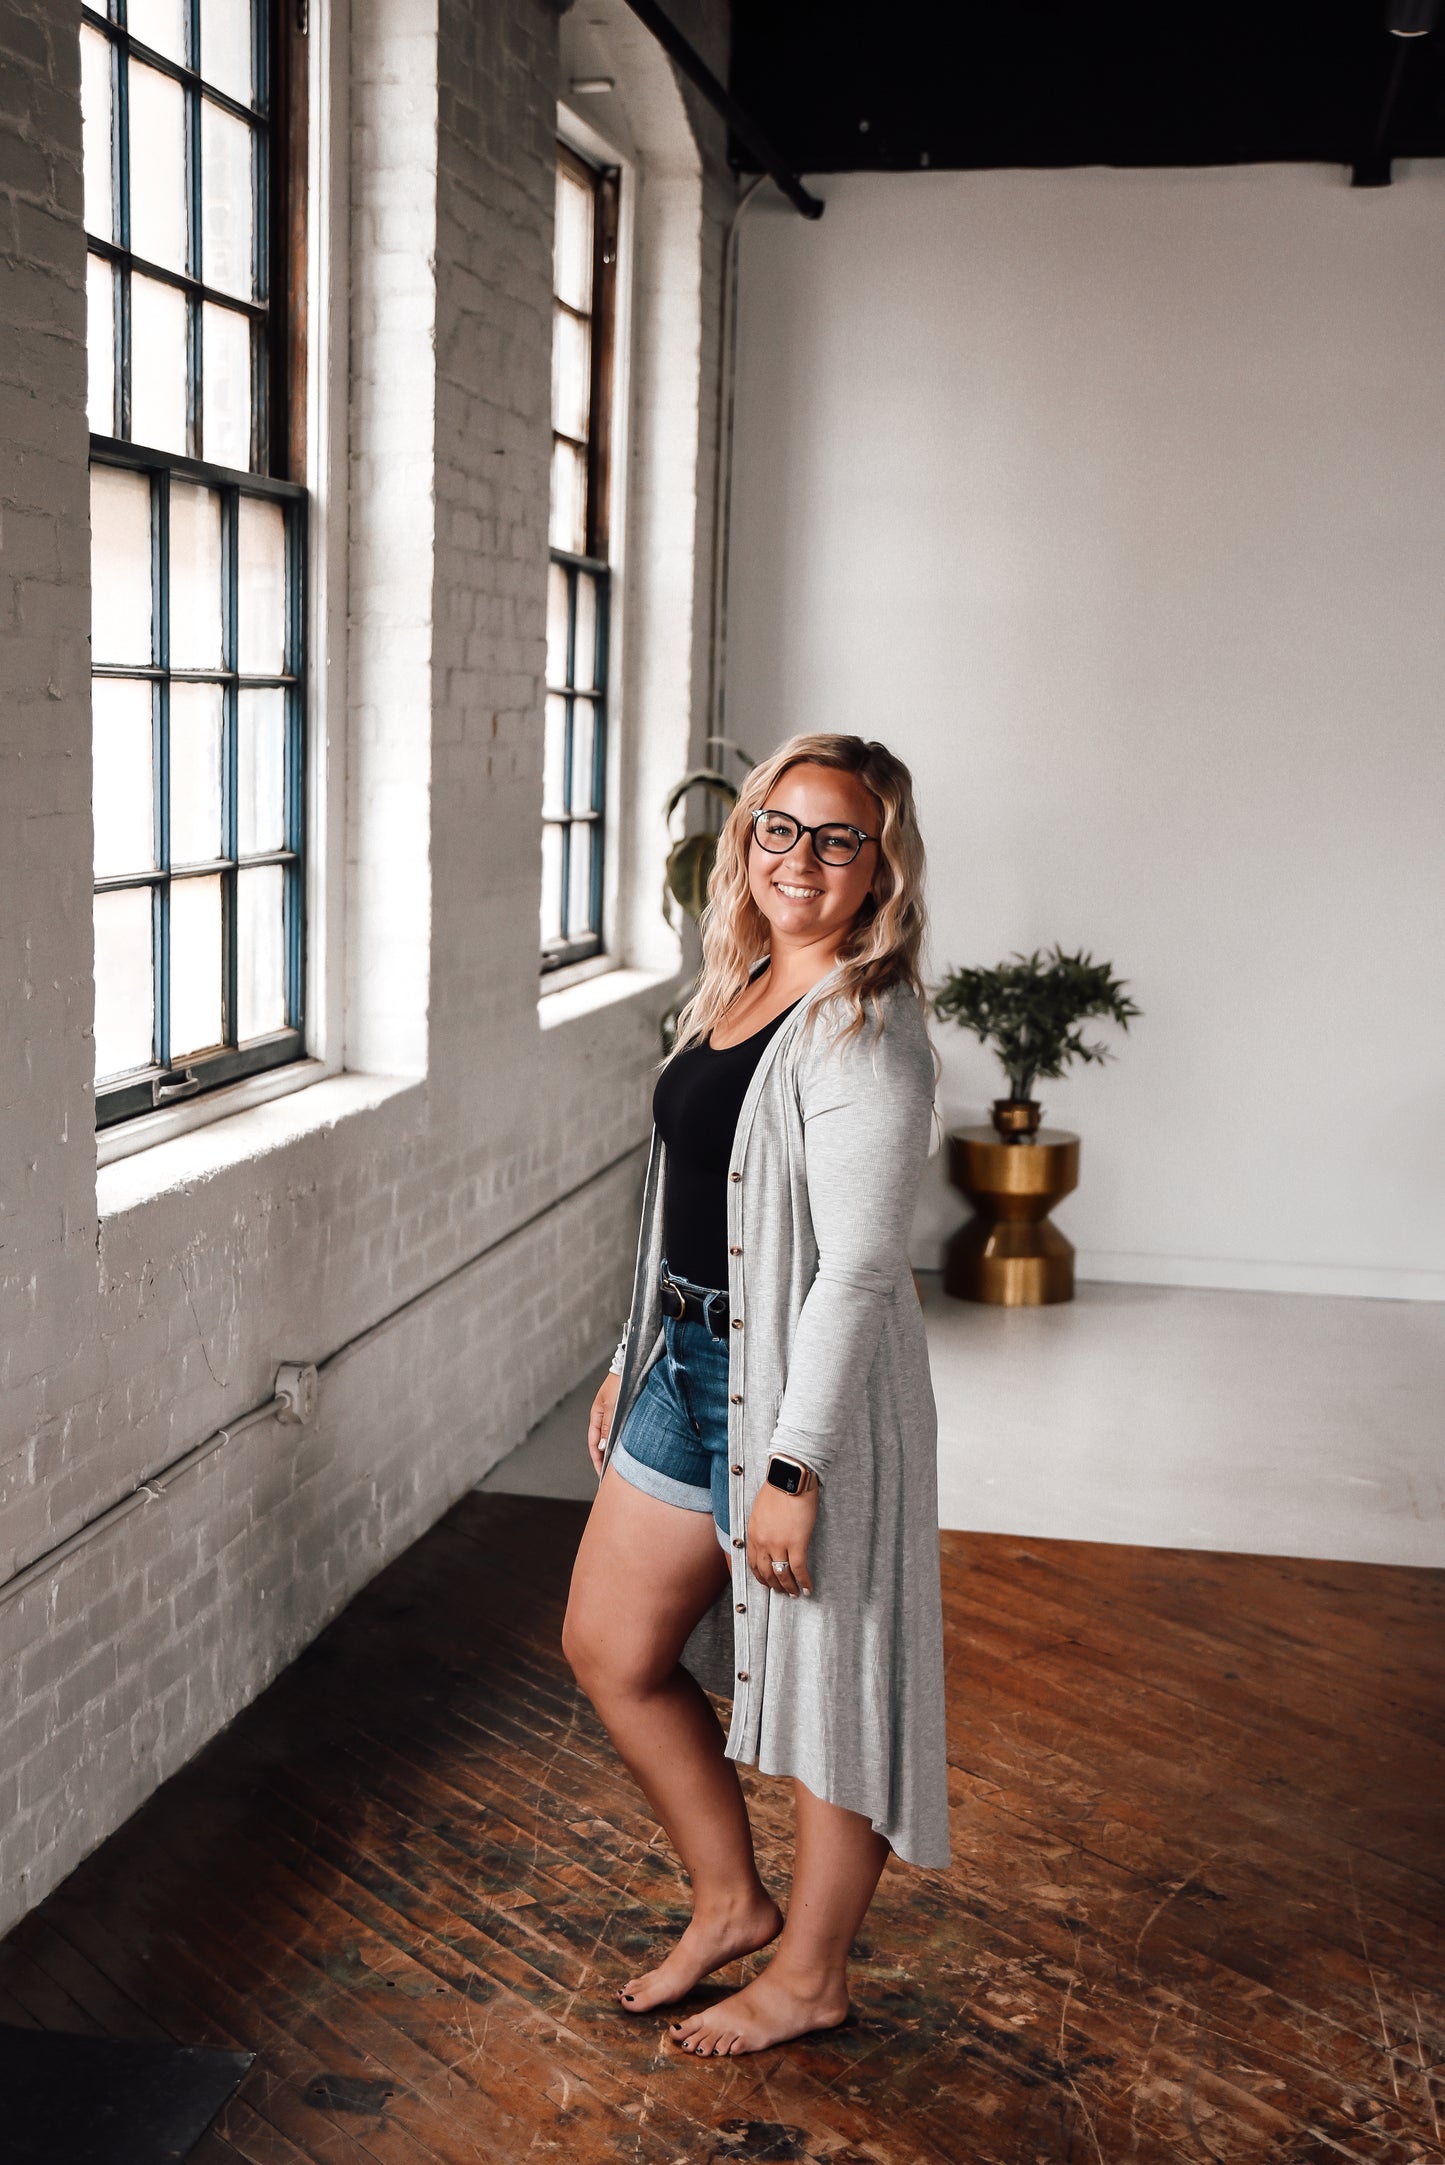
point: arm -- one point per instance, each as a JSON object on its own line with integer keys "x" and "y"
{"x": 604, "y": 1405}
{"x": 866, "y": 1112}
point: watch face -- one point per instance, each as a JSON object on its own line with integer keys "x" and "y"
{"x": 785, "y": 1477}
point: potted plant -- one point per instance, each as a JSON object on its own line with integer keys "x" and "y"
{"x": 1031, "y": 1009}
{"x": 691, "y": 858}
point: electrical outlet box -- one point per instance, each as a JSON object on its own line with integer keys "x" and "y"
{"x": 296, "y": 1392}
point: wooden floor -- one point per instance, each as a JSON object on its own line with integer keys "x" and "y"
{"x": 1196, "y": 1909}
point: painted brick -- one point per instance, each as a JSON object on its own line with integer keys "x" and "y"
{"x": 500, "y": 1196}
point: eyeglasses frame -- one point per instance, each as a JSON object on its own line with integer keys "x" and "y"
{"x": 826, "y": 825}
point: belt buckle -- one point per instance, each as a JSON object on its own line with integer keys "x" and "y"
{"x": 672, "y": 1288}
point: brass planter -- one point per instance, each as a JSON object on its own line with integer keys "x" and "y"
{"x": 1014, "y": 1118}
{"x": 1008, "y": 1253}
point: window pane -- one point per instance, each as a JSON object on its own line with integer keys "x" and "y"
{"x": 157, "y": 167}
{"x": 96, "y": 105}
{"x": 556, "y": 624}
{"x": 195, "y": 773}
{"x": 260, "y": 951}
{"x": 572, "y": 244}
{"x": 120, "y": 566}
{"x": 585, "y": 660}
{"x": 161, "y": 24}
{"x": 123, "y": 780}
{"x": 195, "y": 966}
{"x": 226, "y": 376}
{"x": 227, "y": 200}
{"x": 579, "y": 903}
{"x": 571, "y": 373}
{"x": 100, "y": 346}
{"x": 551, "y": 885}
{"x": 226, "y": 46}
{"x": 569, "y": 497}
{"x": 554, "y": 755}
{"x": 261, "y": 772}
{"x": 584, "y": 739}
{"x": 261, "y": 594}
{"x": 195, "y": 577}
{"x": 124, "y": 986}
{"x": 158, "y": 365}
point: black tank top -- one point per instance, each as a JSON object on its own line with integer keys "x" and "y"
{"x": 695, "y": 1104}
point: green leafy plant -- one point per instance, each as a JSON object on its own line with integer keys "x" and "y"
{"x": 691, "y": 858}
{"x": 1030, "y": 1008}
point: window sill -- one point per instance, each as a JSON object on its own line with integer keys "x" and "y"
{"x": 576, "y": 973}
{"x": 164, "y": 1125}
{"x": 605, "y": 988}
{"x": 240, "y": 1136}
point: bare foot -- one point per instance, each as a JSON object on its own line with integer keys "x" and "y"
{"x": 706, "y": 1945}
{"x": 769, "y": 2011}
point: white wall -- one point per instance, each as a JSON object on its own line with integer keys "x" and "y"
{"x": 1115, "y": 502}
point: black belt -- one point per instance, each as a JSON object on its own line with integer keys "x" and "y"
{"x": 695, "y": 1304}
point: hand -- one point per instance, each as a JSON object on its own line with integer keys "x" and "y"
{"x": 599, "y": 1426}
{"x": 781, "y": 1525}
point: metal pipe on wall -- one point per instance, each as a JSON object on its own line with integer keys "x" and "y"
{"x": 716, "y": 741}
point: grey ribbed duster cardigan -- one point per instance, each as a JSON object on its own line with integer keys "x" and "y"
{"x": 843, "y": 1690}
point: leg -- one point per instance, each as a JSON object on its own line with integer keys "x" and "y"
{"x": 805, "y": 1986}
{"x": 646, "y": 1572}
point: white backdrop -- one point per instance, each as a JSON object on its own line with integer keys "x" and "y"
{"x": 1115, "y": 502}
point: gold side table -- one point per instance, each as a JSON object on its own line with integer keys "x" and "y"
{"x": 1008, "y": 1253}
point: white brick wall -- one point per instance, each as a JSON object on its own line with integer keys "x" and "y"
{"x": 492, "y": 1202}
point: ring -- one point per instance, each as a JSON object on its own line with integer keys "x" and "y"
{"x": 780, "y": 1563}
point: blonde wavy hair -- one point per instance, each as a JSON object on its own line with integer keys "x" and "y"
{"x": 886, "y": 939}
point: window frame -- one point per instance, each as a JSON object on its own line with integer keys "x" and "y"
{"x": 603, "y": 177}
{"x": 278, "y": 116}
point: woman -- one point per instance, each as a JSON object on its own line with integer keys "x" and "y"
{"x": 766, "y": 1523}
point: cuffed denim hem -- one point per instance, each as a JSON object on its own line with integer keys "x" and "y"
{"x": 661, "y": 1485}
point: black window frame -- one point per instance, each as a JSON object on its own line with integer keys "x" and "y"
{"x": 593, "y": 561}
{"x": 276, "y": 314}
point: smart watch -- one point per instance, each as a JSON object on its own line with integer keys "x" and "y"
{"x": 791, "y": 1475}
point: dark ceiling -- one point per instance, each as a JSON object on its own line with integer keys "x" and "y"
{"x": 841, "y": 86}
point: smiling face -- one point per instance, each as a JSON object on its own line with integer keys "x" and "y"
{"x": 805, "y": 902}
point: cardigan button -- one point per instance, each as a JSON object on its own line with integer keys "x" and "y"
{"x": 742, "y": 1676}
{"x": 738, "y": 1542}
{"x": 737, "y": 1323}
{"x": 736, "y": 1399}
{"x": 735, "y": 1251}
{"x": 741, "y": 1607}
{"x": 737, "y": 1469}
{"x": 735, "y": 1176}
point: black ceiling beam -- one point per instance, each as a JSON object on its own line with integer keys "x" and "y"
{"x": 849, "y": 86}
{"x": 721, "y": 99}
{"x": 1406, "y": 20}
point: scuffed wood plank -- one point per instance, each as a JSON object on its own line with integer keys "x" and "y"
{"x": 1194, "y": 1913}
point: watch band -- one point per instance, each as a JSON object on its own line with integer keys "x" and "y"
{"x": 791, "y": 1475}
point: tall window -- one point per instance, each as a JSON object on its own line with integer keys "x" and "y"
{"x": 575, "y": 764}
{"x": 194, "y": 221}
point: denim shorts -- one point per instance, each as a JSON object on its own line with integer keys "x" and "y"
{"x": 674, "y": 1442}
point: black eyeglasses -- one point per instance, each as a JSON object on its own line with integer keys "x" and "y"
{"x": 778, "y": 832}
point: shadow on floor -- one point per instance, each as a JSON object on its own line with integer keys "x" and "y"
{"x": 553, "y": 1460}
